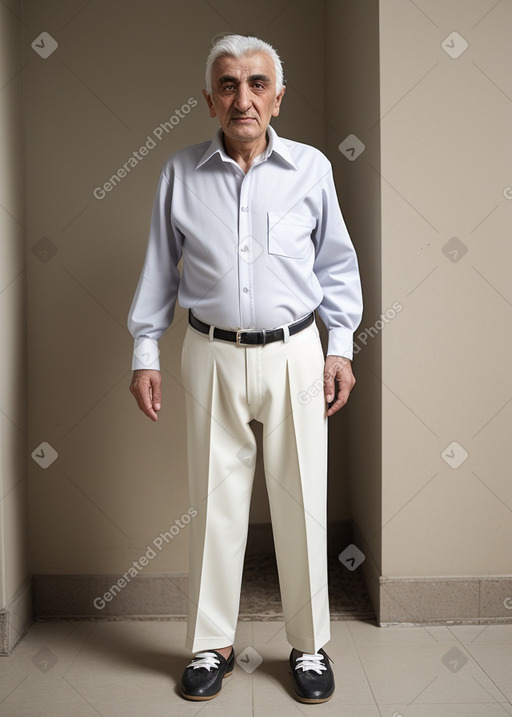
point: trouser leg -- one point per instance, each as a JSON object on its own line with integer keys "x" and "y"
{"x": 295, "y": 457}
{"x": 221, "y": 457}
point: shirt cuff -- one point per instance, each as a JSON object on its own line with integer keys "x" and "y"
{"x": 341, "y": 343}
{"x": 146, "y": 354}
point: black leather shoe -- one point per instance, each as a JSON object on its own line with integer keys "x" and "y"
{"x": 202, "y": 679}
{"x": 313, "y": 679}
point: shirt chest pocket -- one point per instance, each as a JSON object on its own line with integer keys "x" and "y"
{"x": 289, "y": 234}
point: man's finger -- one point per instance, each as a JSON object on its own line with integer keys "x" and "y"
{"x": 331, "y": 371}
{"x": 147, "y": 405}
{"x": 143, "y": 396}
{"x": 156, "y": 394}
{"x": 341, "y": 399}
{"x": 329, "y": 387}
{"x": 335, "y": 407}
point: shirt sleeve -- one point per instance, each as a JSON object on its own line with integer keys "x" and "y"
{"x": 337, "y": 271}
{"x": 152, "y": 309}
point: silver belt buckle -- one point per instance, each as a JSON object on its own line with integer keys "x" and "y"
{"x": 248, "y": 331}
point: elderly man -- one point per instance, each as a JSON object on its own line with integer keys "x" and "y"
{"x": 257, "y": 222}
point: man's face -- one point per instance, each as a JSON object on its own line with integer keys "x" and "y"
{"x": 244, "y": 95}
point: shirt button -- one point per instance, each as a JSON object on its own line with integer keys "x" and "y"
{"x": 244, "y": 248}
{"x": 244, "y": 209}
{"x": 245, "y": 290}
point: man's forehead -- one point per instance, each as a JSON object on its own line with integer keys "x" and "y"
{"x": 255, "y": 64}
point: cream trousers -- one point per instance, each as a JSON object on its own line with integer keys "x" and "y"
{"x": 280, "y": 384}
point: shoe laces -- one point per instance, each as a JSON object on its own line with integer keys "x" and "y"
{"x": 205, "y": 659}
{"x": 311, "y": 662}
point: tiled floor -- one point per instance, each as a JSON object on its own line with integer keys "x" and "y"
{"x": 130, "y": 669}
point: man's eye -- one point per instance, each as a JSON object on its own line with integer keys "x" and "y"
{"x": 229, "y": 88}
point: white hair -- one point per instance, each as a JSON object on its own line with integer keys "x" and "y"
{"x": 238, "y": 46}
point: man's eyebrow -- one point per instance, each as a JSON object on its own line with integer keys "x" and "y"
{"x": 227, "y": 78}
{"x": 253, "y": 78}
{"x": 262, "y": 78}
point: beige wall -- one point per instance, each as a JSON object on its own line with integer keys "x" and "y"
{"x": 436, "y": 164}
{"x": 120, "y": 70}
{"x": 14, "y": 566}
{"x": 445, "y": 162}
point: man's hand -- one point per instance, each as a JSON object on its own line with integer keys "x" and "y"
{"x": 146, "y": 386}
{"x": 339, "y": 368}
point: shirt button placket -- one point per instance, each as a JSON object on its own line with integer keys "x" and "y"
{"x": 244, "y": 256}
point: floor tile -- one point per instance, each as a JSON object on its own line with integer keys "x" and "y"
{"x": 483, "y": 634}
{"x": 132, "y": 668}
{"x": 426, "y": 674}
{"x": 446, "y": 710}
{"x": 496, "y": 661}
{"x": 365, "y": 633}
{"x": 327, "y": 709}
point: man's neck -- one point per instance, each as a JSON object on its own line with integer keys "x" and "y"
{"x": 244, "y": 153}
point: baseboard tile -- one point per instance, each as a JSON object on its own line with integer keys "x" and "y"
{"x": 109, "y": 596}
{"x": 445, "y": 600}
{"x": 16, "y": 618}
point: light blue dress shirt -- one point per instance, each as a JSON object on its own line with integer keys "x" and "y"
{"x": 260, "y": 249}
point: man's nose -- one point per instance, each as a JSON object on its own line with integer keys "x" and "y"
{"x": 243, "y": 98}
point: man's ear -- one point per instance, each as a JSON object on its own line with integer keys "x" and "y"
{"x": 209, "y": 102}
{"x": 277, "y": 105}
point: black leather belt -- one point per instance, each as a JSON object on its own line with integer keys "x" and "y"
{"x": 251, "y": 337}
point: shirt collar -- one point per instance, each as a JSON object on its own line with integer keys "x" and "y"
{"x": 275, "y": 145}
